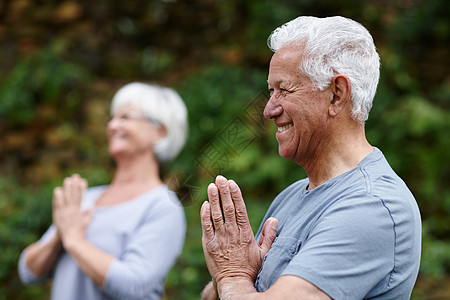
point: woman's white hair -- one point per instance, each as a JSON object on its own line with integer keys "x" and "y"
{"x": 161, "y": 104}
{"x": 334, "y": 45}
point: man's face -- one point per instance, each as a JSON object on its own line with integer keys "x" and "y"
{"x": 299, "y": 111}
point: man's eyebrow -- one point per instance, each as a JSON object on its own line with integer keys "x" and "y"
{"x": 279, "y": 82}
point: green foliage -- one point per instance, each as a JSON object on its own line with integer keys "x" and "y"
{"x": 25, "y": 215}
{"x": 39, "y": 78}
{"x": 410, "y": 123}
{"x": 436, "y": 255}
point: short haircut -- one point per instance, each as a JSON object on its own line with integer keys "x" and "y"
{"x": 161, "y": 104}
{"x": 334, "y": 45}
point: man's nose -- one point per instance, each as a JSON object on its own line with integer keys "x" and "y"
{"x": 272, "y": 109}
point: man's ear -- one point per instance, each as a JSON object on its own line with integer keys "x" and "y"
{"x": 341, "y": 88}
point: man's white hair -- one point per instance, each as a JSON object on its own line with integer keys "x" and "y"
{"x": 161, "y": 104}
{"x": 334, "y": 45}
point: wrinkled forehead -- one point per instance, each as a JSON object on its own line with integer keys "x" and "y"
{"x": 285, "y": 65}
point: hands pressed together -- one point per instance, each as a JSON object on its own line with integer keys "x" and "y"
{"x": 70, "y": 221}
{"x": 231, "y": 252}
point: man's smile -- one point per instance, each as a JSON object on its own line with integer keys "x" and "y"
{"x": 285, "y": 127}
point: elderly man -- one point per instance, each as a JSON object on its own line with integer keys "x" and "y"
{"x": 351, "y": 229}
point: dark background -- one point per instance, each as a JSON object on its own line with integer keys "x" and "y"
{"x": 62, "y": 61}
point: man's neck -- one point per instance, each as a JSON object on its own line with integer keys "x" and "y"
{"x": 336, "y": 156}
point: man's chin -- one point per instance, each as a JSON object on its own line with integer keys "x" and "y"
{"x": 284, "y": 153}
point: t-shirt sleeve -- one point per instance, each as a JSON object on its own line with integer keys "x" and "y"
{"x": 349, "y": 249}
{"x": 148, "y": 256}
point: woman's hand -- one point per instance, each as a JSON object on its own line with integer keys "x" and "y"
{"x": 70, "y": 222}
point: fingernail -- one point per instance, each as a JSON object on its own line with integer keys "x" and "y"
{"x": 213, "y": 189}
{"x": 233, "y": 185}
{"x": 274, "y": 224}
{"x": 221, "y": 181}
{"x": 220, "y": 178}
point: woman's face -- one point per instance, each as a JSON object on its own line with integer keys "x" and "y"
{"x": 131, "y": 133}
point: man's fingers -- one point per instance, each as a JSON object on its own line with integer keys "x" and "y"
{"x": 240, "y": 210}
{"x": 209, "y": 292}
{"x": 227, "y": 204}
{"x": 268, "y": 235}
{"x": 207, "y": 225}
{"x": 214, "y": 206}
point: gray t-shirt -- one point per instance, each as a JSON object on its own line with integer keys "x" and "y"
{"x": 357, "y": 236}
{"x": 145, "y": 235}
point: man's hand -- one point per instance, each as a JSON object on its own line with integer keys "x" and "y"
{"x": 70, "y": 222}
{"x": 209, "y": 292}
{"x": 231, "y": 251}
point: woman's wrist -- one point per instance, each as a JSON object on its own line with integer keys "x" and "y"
{"x": 72, "y": 242}
{"x": 55, "y": 241}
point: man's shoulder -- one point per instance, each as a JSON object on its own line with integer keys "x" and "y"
{"x": 381, "y": 180}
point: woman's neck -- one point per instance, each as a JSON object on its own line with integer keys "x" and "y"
{"x": 133, "y": 177}
{"x": 139, "y": 171}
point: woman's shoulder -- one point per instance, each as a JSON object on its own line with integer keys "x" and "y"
{"x": 158, "y": 199}
{"x": 160, "y": 204}
{"x": 163, "y": 196}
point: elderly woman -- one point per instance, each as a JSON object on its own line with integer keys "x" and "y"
{"x": 118, "y": 241}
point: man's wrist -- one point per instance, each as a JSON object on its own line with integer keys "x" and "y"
{"x": 235, "y": 287}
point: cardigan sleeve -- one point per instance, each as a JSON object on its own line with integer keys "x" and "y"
{"x": 150, "y": 253}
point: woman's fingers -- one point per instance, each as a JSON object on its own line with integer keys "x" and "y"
{"x": 74, "y": 188}
{"x": 80, "y": 187}
{"x": 67, "y": 189}
{"x": 58, "y": 198}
